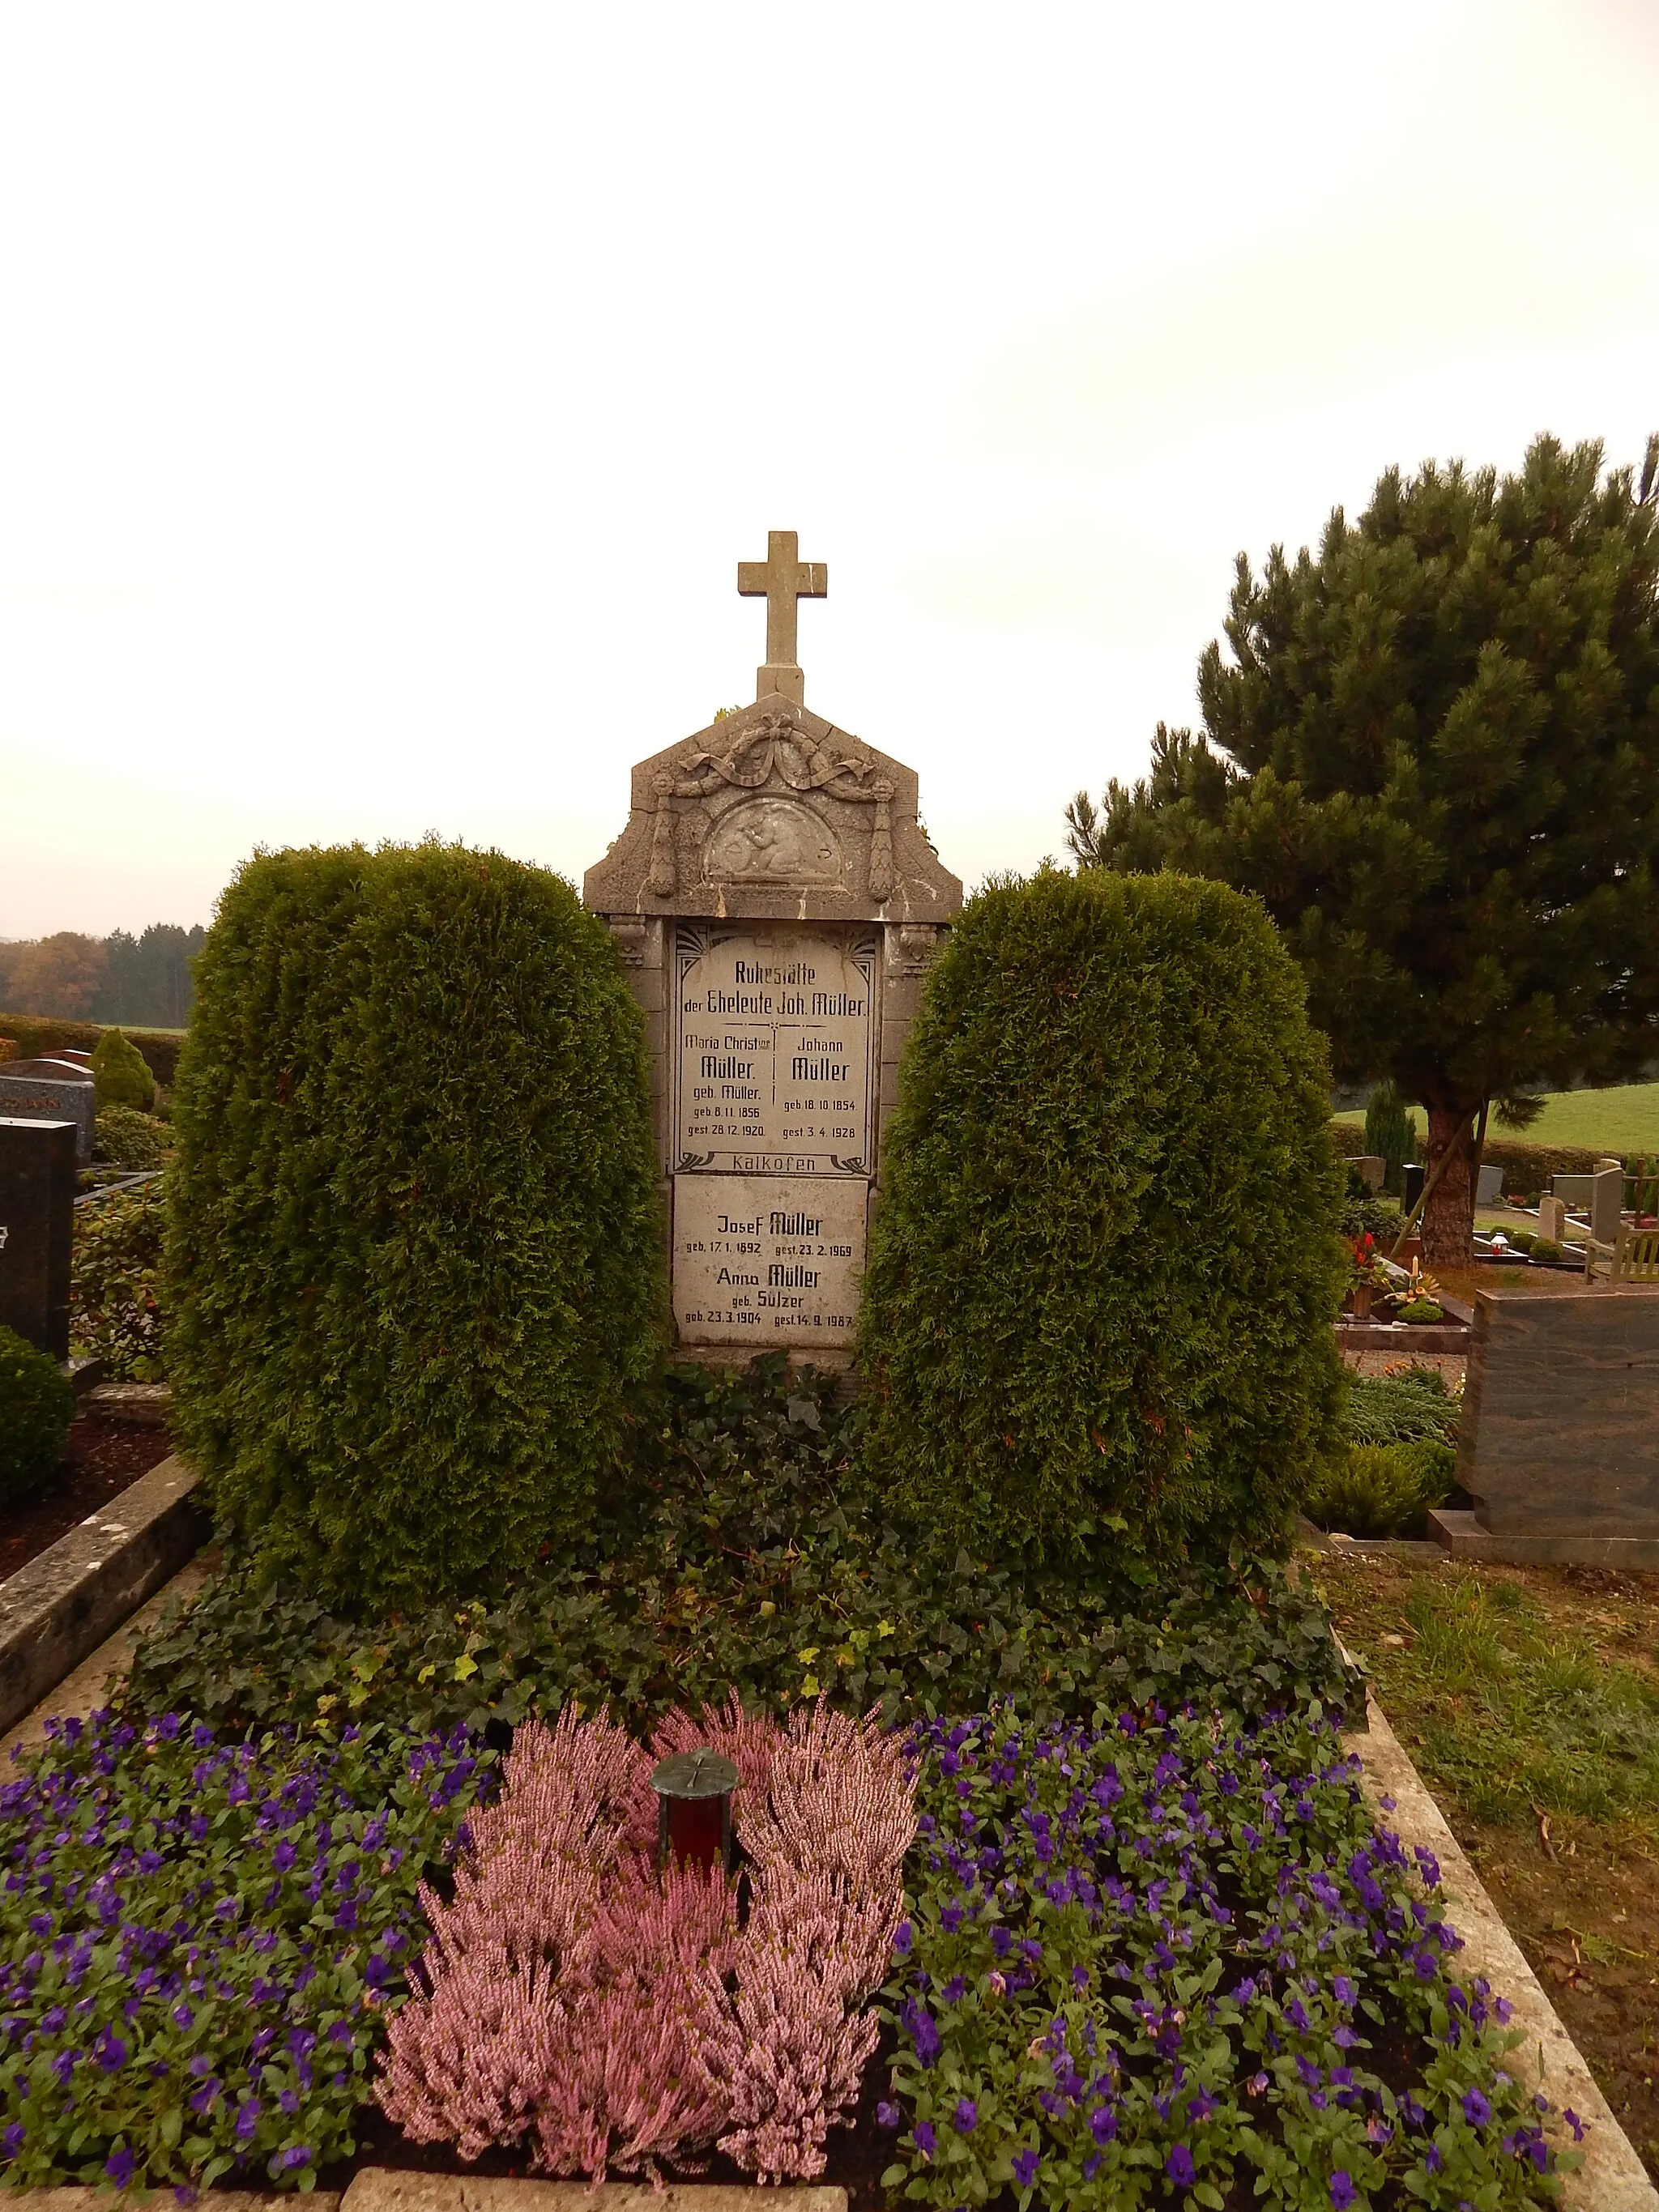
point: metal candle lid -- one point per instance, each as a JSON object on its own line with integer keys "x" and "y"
{"x": 694, "y": 1774}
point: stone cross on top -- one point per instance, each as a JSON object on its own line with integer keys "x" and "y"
{"x": 782, "y": 579}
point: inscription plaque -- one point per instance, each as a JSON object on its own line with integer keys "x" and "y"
{"x": 776, "y": 1045}
{"x": 768, "y": 1260}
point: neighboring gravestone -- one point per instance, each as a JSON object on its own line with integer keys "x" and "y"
{"x": 37, "y": 1216}
{"x": 1371, "y": 1168}
{"x": 1559, "y": 1435}
{"x": 51, "y": 1090}
{"x": 1489, "y": 1186}
{"x": 1551, "y": 1220}
{"x": 776, "y": 903}
{"x": 1607, "y": 1204}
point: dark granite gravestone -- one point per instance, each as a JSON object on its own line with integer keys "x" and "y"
{"x": 51, "y": 1090}
{"x": 37, "y": 1222}
{"x": 1559, "y": 1438}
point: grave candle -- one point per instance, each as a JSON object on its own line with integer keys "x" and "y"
{"x": 694, "y": 1808}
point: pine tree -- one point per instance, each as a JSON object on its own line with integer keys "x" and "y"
{"x": 1435, "y": 756}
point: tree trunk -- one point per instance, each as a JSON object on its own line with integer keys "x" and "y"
{"x": 1448, "y": 1218}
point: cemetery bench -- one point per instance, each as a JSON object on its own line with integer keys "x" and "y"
{"x": 1633, "y": 1257}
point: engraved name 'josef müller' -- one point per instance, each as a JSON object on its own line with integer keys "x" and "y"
{"x": 778, "y": 1223}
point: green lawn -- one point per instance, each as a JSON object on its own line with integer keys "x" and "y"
{"x": 1624, "y": 1120}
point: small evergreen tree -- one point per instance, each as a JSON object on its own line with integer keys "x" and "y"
{"x": 1104, "y": 1272}
{"x": 120, "y": 1074}
{"x": 1391, "y": 1133}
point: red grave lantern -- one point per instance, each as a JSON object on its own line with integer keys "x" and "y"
{"x": 694, "y": 1808}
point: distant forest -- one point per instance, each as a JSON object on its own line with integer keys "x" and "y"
{"x": 142, "y": 982}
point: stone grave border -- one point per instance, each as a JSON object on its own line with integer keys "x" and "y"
{"x": 61, "y": 1604}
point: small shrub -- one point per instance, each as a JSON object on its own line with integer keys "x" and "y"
{"x": 119, "y": 1072}
{"x": 1523, "y": 1240}
{"x": 414, "y": 1255}
{"x": 1398, "y": 1409}
{"x": 1078, "y": 1313}
{"x": 1391, "y": 1133}
{"x": 1543, "y": 1247}
{"x": 1366, "y": 1214}
{"x": 36, "y": 1406}
{"x": 1420, "y": 1311}
{"x": 130, "y": 1139}
{"x": 115, "y": 1282}
{"x": 1384, "y": 1490}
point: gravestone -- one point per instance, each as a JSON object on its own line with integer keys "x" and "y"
{"x": 1559, "y": 1435}
{"x": 1489, "y": 1186}
{"x": 37, "y": 1219}
{"x": 1412, "y": 1176}
{"x": 1371, "y": 1168}
{"x": 52, "y": 1089}
{"x": 1551, "y": 1220}
{"x": 1607, "y": 1204}
{"x": 776, "y": 904}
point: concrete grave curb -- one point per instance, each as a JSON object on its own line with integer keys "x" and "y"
{"x": 384, "y": 2189}
{"x": 1612, "y": 2178}
{"x": 61, "y": 1604}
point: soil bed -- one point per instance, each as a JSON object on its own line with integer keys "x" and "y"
{"x": 1529, "y": 1697}
{"x": 102, "y": 1459}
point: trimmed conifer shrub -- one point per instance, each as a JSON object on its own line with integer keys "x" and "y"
{"x": 414, "y": 1256}
{"x": 120, "y": 1074}
{"x": 1102, "y": 1276}
{"x": 36, "y": 1406}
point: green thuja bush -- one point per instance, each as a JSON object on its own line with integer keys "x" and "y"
{"x": 120, "y": 1074}
{"x": 1391, "y": 1133}
{"x": 414, "y": 1256}
{"x": 36, "y": 1406}
{"x": 1382, "y": 1490}
{"x": 1102, "y": 1275}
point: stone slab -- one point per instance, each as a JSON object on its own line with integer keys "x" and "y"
{"x": 59, "y": 1606}
{"x": 1560, "y": 1431}
{"x": 69, "y": 2199}
{"x": 776, "y": 1033}
{"x": 382, "y": 2189}
{"x": 762, "y": 1263}
{"x": 1612, "y": 2178}
{"x": 90, "y": 1684}
{"x": 37, "y": 1229}
{"x": 1461, "y": 1535}
{"x": 1403, "y": 1337}
{"x": 149, "y": 1403}
{"x": 31, "y": 1090}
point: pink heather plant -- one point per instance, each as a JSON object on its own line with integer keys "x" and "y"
{"x": 615, "y": 2015}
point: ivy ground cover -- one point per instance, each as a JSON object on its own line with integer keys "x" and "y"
{"x": 1159, "y": 1962}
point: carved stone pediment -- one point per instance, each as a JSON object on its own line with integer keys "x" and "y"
{"x": 773, "y": 811}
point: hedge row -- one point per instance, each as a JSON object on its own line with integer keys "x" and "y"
{"x": 33, "y": 1035}
{"x": 415, "y": 1253}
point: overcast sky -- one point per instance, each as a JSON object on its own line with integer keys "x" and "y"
{"x": 388, "y": 394}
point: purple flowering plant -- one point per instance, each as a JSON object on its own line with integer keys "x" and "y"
{"x": 200, "y": 1939}
{"x": 1163, "y": 1961}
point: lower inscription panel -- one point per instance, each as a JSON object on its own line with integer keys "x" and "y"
{"x": 767, "y": 1260}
